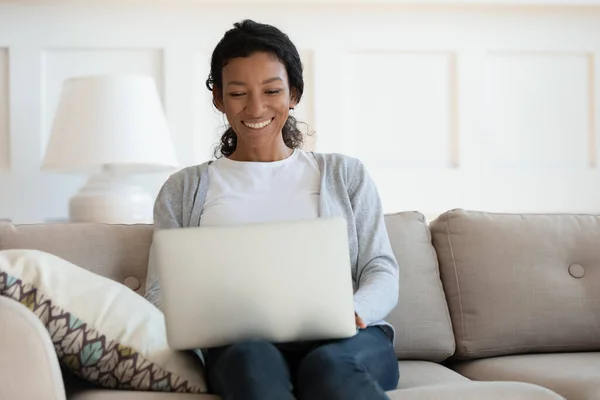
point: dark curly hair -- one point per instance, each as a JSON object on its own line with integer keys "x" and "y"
{"x": 246, "y": 38}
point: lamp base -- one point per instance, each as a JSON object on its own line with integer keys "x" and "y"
{"x": 111, "y": 198}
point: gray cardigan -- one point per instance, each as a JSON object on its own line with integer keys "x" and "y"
{"x": 346, "y": 190}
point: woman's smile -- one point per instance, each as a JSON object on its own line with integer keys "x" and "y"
{"x": 259, "y": 124}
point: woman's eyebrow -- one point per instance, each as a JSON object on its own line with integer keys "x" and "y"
{"x": 276, "y": 78}
{"x": 240, "y": 83}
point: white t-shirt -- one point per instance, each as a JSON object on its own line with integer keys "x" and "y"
{"x": 246, "y": 192}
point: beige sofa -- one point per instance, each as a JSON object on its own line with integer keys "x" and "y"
{"x": 491, "y": 306}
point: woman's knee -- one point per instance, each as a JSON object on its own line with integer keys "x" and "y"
{"x": 243, "y": 361}
{"x": 325, "y": 373}
{"x": 325, "y": 362}
{"x": 249, "y": 370}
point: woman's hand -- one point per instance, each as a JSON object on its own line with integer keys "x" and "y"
{"x": 359, "y": 322}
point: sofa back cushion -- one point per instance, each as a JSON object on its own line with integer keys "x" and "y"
{"x": 119, "y": 252}
{"x": 421, "y": 318}
{"x": 526, "y": 283}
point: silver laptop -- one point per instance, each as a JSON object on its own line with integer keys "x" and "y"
{"x": 281, "y": 282}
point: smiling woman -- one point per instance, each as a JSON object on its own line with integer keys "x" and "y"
{"x": 256, "y": 80}
{"x": 262, "y": 175}
{"x": 256, "y": 108}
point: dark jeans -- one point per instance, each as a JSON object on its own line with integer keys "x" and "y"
{"x": 362, "y": 367}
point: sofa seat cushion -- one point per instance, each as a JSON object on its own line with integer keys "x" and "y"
{"x": 419, "y": 380}
{"x": 107, "y": 394}
{"x": 425, "y": 373}
{"x": 520, "y": 283}
{"x": 421, "y": 319}
{"x": 476, "y": 391}
{"x": 412, "y": 374}
{"x": 575, "y": 376}
{"x": 423, "y": 380}
{"x": 448, "y": 391}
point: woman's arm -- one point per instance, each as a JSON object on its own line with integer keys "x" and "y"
{"x": 377, "y": 274}
{"x": 167, "y": 215}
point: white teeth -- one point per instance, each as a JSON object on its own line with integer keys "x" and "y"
{"x": 259, "y": 125}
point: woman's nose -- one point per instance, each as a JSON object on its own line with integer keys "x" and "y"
{"x": 255, "y": 107}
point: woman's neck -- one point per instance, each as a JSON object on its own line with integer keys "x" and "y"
{"x": 261, "y": 154}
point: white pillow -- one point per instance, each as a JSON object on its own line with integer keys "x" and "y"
{"x": 102, "y": 331}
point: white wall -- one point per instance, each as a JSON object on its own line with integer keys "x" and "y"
{"x": 481, "y": 107}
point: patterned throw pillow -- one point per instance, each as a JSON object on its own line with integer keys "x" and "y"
{"x": 102, "y": 331}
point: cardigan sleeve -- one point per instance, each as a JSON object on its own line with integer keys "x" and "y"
{"x": 377, "y": 270}
{"x": 168, "y": 214}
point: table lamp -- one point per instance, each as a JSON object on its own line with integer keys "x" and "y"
{"x": 111, "y": 126}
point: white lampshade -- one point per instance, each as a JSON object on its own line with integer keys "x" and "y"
{"x": 111, "y": 126}
{"x": 111, "y": 120}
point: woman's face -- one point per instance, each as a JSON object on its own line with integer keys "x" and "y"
{"x": 256, "y": 99}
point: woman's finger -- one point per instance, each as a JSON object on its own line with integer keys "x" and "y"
{"x": 360, "y": 323}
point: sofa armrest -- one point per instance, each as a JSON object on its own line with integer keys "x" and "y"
{"x": 29, "y": 368}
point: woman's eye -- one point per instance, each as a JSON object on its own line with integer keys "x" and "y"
{"x": 236, "y": 94}
{"x": 274, "y": 91}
